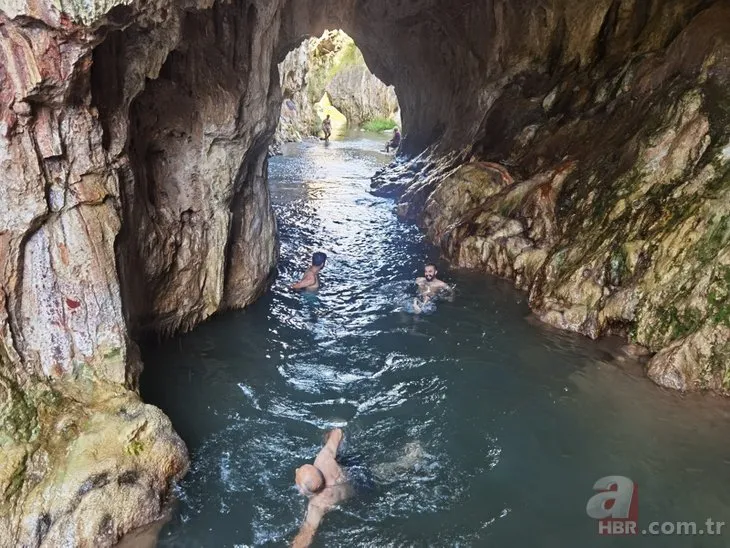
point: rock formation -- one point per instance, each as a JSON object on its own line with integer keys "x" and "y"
{"x": 133, "y": 186}
{"x": 332, "y": 65}
{"x": 596, "y": 177}
{"x": 581, "y": 149}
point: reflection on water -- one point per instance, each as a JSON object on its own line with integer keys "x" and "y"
{"x": 479, "y": 426}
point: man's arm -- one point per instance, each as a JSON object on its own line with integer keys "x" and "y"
{"x": 306, "y": 281}
{"x": 443, "y": 286}
{"x": 314, "y": 516}
{"x": 446, "y": 291}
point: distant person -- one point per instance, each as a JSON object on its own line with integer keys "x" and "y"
{"x": 310, "y": 280}
{"x": 394, "y": 143}
{"x": 327, "y": 128}
{"x": 429, "y": 287}
{"x": 326, "y": 484}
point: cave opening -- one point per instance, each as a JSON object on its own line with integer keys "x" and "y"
{"x": 328, "y": 76}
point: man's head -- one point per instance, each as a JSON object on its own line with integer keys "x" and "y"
{"x": 318, "y": 259}
{"x": 430, "y": 271}
{"x": 309, "y": 479}
{"x": 327, "y": 117}
{"x": 396, "y": 130}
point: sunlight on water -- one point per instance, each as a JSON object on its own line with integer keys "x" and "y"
{"x": 479, "y": 426}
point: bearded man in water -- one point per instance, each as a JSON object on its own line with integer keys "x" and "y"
{"x": 326, "y": 484}
{"x": 429, "y": 285}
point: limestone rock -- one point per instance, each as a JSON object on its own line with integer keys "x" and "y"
{"x": 616, "y": 216}
{"x": 133, "y": 144}
{"x": 84, "y": 463}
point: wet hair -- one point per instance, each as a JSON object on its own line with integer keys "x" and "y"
{"x": 431, "y": 264}
{"x": 319, "y": 258}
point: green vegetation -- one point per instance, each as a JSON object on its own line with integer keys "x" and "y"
{"x": 134, "y": 448}
{"x": 718, "y": 297}
{"x": 379, "y": 124}
{"x": 678, "y": 323}
{"x": 348, "y": 56}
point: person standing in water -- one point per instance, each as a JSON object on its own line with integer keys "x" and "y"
{"x": 429, "y": 287}
{"x": 394, "y": 143}
{"x": 310, "y": 280}
{"x": 327, "y": 128}
{"x": 326, "y": 485}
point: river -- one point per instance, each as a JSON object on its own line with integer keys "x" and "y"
{"x": 479, "y": 426}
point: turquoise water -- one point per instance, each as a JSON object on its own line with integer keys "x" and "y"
{"x": 480, "y": 426}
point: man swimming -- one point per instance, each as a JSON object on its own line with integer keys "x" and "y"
{"x": 325, "y": 483}
{"x": 310, "y": 280}
{"x": 429, "y": 287}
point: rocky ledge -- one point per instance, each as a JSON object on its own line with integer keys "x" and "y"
{"x": 83, "y": 463}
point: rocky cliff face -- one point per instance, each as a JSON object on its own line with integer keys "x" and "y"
{"x": 597, "y": 177}
{"x": 134, "y": 197}
{"x": 578, "y": 148}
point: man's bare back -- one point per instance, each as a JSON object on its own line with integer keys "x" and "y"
{"x": 326, "y": 483}
{"x": 310, "y": 279}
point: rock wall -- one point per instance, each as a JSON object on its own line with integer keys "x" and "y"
{"x": 597, "y": 177}
{"x": 298, "y": 118}
{"x": 132, "y": 167}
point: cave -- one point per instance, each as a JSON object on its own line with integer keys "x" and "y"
{"x": 577, "y": 149}
{"x": 328, "y": 76}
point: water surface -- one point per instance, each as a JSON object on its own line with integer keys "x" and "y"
{"x": 481, "y": 427}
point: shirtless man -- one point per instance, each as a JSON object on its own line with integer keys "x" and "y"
{"x": 429, "y": 286}
{"x": 325, "y": 483}
{"x": 310, "y": 280}
{"x": 327, "y": 128}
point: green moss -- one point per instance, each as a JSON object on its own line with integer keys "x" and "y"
{"x": 348, "y": 56}
{"x": 718, "y": 297}
{"x": 379, "y": 124}
{"x": 18, "y": 418}
{"x": 717, "y": 237}
{"x": 134, "y": 447}
{"x": 673, "y": 323}
{"x": 617, "y": 267}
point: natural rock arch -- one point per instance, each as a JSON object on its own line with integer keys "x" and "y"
{"x": 132, "y": 184}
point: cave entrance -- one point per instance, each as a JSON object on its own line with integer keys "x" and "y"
{"x": 328, "y": 75}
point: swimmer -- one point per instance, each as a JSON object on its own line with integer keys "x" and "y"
{"x": 325, "y": 483}
{"x": 310, "y": 280}
{"x": 429, "y": 287}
